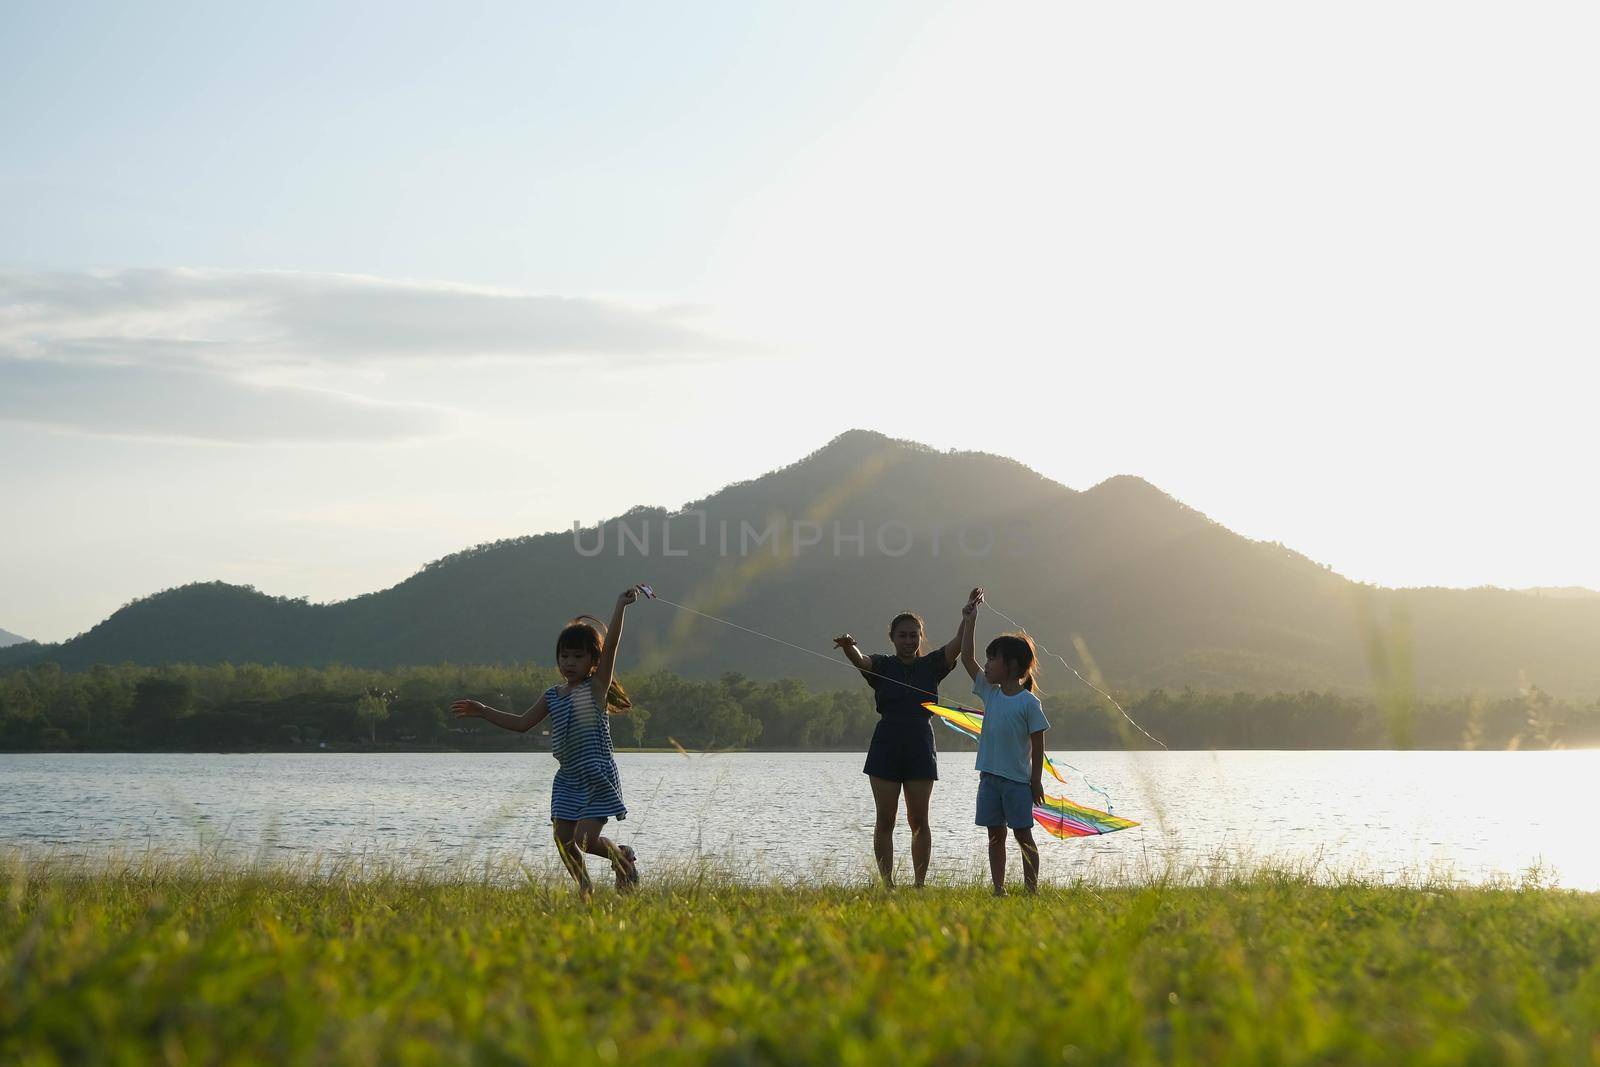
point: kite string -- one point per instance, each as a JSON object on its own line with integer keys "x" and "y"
{"x": 1088, "y": 784}
{"x": 1080, "y": 677}
{"x": 790, "y": 644}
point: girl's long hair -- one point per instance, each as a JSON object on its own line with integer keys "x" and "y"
{"x": 588, "y": 634}
{"x": 1018, "y": 649}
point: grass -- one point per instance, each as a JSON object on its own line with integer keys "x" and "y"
{"x": 193, "y": 962}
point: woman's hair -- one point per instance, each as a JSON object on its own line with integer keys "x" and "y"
{"x": 588, "y": 634}
{"x": 1017, "y": 650}
{"x": 904, "y": 616}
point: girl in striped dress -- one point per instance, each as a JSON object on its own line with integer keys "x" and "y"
{"x": 587, "y": 789}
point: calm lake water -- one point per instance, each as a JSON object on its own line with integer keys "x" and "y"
{"x": 1474, "y": 816}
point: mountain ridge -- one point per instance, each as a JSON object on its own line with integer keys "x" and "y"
{"x": 1159, "y": 593}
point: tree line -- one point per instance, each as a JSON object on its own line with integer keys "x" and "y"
{"x": 251, "y": 707}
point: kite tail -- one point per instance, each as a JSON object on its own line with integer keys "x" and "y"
{"x": 1062, "y": 818}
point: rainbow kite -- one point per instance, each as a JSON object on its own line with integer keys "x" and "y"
{"x": 1058, "y": 815}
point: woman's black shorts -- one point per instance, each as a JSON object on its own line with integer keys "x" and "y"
{"x": 903, "y": 751}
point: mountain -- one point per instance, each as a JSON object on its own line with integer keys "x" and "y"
{"x": 7, "y": 639}
{"x": 1158, "y": 594}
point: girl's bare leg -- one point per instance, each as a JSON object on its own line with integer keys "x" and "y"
{"x": 886, "y": 799}
{"x": 918, "y": 793}
{"x": 1030, "y": 859}
{"x": 588, "y": 839}
{"x": 572, "y": 854}
{"x": 997, "y": 858}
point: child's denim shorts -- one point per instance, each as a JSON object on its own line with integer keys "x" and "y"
{"x": 1004, "y": 802}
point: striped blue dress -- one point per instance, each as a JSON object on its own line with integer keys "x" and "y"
{"x": 587, "y": 785}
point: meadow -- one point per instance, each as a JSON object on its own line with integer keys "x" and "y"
{"x": 187, "y": 961}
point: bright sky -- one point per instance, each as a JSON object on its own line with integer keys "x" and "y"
{"x": 305, "y": 295}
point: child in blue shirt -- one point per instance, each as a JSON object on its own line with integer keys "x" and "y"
{"x": 1011, "y": 746}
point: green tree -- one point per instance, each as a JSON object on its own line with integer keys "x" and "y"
{"x": 158, "y": 704}
{"x": 372, "y": 709}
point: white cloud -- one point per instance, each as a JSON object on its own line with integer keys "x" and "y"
{"x": 175, "y": 404}
{"x": 213, "y": 355}
{"x": 248, "y": 316}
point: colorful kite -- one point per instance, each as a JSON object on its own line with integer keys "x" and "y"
{"x": 1058, "y": 815}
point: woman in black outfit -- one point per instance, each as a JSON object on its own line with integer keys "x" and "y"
{"x": 902, "y": 754}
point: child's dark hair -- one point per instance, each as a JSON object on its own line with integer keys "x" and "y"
{"x": 904, "y": 616}
{"x": 1017, "y": 650}
{"x": 588, "y": 634}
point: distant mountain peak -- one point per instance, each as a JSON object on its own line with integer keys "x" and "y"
{"x": 858, "y": 435}
{"x": 1124, "y": 483}
{"x": 7, "y": 639}
{"x": 1130, "y": 490}
{"x": 865, "y": 442}
{"x": 213, "y": 588}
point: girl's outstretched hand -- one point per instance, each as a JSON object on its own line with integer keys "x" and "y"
{"x": 467, "y": 709}
{"x": 973, "y": 600}
{"x": 844, "y": 641}
{"x": 629, "y": 595}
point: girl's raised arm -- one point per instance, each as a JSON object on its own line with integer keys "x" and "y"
{"x": 969, "y": 623}
{"x": 473, "y": 709}
{"x": 607, "y": 667}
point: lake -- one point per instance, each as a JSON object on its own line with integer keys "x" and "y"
{"x": 1474, "y": 816}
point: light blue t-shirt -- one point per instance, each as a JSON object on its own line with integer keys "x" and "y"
{"x": 1007, "y": 721}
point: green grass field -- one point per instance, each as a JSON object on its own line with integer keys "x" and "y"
{"x": 181, "y": 962}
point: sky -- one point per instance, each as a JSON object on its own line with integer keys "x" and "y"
{"x": 303, "y": 295}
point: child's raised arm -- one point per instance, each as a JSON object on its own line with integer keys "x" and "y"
{"x": 969, "y": 623}
{"x": 506, "y": 720}
{"x": 607, "y": 667}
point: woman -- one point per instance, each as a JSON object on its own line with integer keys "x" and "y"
{"x": 902, "y": 755}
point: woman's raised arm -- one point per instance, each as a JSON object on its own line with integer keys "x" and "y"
{"x": 847, "y": 644}
{"x": 952, "y": 651}
{"x": 969, "y": 623}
